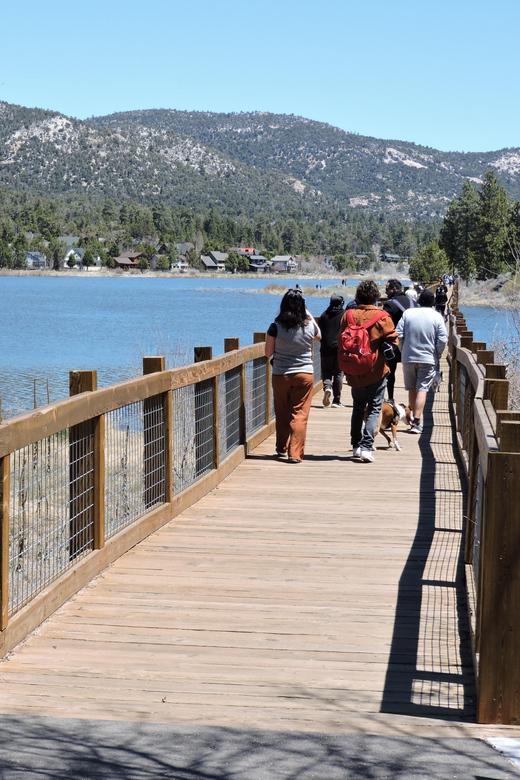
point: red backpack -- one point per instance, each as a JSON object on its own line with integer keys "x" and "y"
{"x": 355, "y": 356}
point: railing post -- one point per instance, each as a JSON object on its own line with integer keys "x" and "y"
{"x": 497, "y": 391}
{"x": 495, "y": 371}
{"x": 200, "y": 354}
{"x": 155, "y": 442}
{"x": 504, "y": 415}
{"x": 4, "y": 540}
{"x": 499, "y": 591}
{"x": 485, "y": 357}
{"x": 82, "y": 468}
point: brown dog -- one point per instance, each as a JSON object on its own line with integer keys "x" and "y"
{"x": 390, "y": 418}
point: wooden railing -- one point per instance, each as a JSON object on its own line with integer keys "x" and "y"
{"x": 85, "y": 479}
{"x": 488, "y": 436}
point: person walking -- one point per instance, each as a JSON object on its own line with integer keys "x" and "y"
{"x": 331, "y": 374}
{"x": 367, "y": 389}
{"x": 289, "y": 342}
{"x": 441, "y": 298}
{"x": 422, "y": 340}
{"x": 397, "y": 303}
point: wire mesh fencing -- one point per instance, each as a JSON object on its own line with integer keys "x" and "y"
{"x": 55, "y": 513}
{"x": 256, "y": 394}
{"x": 184, "y": 460}
{"x": 40, "y": 519}
{"x": 124, "y": 467}
{"x": 230, "y": 411}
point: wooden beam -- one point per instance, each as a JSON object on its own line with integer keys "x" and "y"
{"x": 510, "y": 437}
{"x": 485, "y": 356}
{"x": 495, "y": 371}
{"x": 502, "y": 415}
{"x": 231, "y": 344}
{"x": 81, "y": 471}
{"x": 499, "y": 593}
{"x": 202, "y": 353}
{"x": 497, "y": 390}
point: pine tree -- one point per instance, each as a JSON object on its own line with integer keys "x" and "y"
{"x": 459, "y": 229}
{"x": 491, "y": 247}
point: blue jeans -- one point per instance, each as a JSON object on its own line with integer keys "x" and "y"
{"x": 369, "y": 398}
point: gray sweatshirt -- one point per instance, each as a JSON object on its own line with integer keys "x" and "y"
{"x": 422, "y": 335}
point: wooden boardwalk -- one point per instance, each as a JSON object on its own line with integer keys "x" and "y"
{"x": 324, "y": 597}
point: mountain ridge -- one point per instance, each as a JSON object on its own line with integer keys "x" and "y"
{"x": 237, "y": 162}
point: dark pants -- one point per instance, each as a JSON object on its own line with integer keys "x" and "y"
{"x": 369, "y": 398}
{"x": 392, "y": 365}
{"x": 332, "y": 376}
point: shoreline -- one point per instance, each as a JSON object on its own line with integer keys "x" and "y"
{"x": 475, "y": 294}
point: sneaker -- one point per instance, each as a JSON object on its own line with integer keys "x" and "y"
{"x": 327, "y": 396}
{"x": 357, "y": 452}
{"x": 366, "y": 456}
{"x": 337, "y": 405}
{"x": 294, "y": 460}
{"x": 416, "y": 428}
{"x": 281, "y": 455}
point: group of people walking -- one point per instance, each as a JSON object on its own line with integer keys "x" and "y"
{"x": 361, "y": 344}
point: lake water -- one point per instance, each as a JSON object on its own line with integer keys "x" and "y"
{"x": 51, "y": 325}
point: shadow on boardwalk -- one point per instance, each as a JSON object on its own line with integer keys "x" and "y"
{"x": 38, "y": 748}
{"x": 433, "y": 676}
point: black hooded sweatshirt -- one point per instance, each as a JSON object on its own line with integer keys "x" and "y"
{"x": 329, "y": 323}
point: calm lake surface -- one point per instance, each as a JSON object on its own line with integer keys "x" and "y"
{"x": 51, "y": 325}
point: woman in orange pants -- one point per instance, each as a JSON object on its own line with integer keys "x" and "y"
{"x": 289, "y": 343}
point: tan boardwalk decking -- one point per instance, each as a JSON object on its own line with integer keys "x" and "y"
{"x": 318, "y": 597}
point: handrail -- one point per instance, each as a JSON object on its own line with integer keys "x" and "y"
{"x": 85, "y": 479}
{"x": 488, "y": 437}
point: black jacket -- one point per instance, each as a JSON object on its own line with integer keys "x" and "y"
{"x": 329, "y": 323}
{"x": 394, "y": 311}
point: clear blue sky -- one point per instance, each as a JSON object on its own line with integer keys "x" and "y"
{"x": 444, "y": 74}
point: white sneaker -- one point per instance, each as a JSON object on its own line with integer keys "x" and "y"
{"x": 327, "y": 396}
{"x": 366, "y": 456}
{"x": 357, "y": 452}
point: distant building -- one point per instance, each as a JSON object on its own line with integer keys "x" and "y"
{"x": 285, "y": 264}
{"x": 77, "y": 253}
{"x": 35, "y": 260}
{"x": 213, "y": 261}
{"x": 129, "y": 260}
{"x": 258, "y": 264}
{"x": 182, "y": 249}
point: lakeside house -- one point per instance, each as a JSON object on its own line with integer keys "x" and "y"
{"x": 35, "y": 260}
{"x": 213, "y": 261}
{"x": 129, "y": 260}
{"x": 259, "y": 264}
{"x": 285, "y": 264}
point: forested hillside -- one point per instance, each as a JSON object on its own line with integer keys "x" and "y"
{"x": 379, "y": 175}
{"x": 283, "y": 184}
{"x": 238, "y": 163}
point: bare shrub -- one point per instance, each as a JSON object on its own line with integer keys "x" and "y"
{"x": 506, "y": 341}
